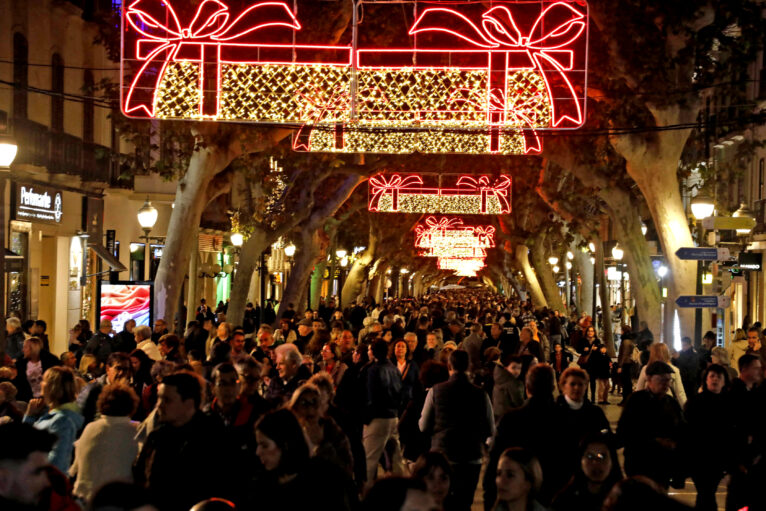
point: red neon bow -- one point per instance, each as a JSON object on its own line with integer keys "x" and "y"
{"x": 209, "y": 27}
{"x": 486, "y": 235}
{"x": 379, "y": 186}
{"x": 500, "y": 31}
{"x": 500, "y": 189}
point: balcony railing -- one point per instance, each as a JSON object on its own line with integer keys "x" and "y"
{"x": 62, "y": 153}
{"x": 33, "y": 141}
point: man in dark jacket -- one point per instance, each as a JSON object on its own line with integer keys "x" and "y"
{"x": 24, "y": 459}
{"x": 533, "y": 427}
{"x": 459, "y": 416}
{"x": 688, "y": 363}
{"x": 184, "y": 461}
{"x": 100, "y": 345}
{"x": 290, "y": 374}
{"x": 31, "y": 367}
{"x": 384, "y": 391}
{"x": 125, "y": 341}
{"x": 651, "y": 427}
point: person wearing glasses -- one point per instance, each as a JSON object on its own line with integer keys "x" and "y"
{"x": 598, "y": 470}
{"x": 118, "y": 368}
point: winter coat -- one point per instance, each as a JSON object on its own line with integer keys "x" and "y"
{"x": 706, "y": 413}
{"x": 105, "y": 452}
{"x": 384, "y": 390}
{"x": 64, "y": 422}
{"x": 14, "y": 344}
{"x": 507, "y": 393}
{"x": 676, "y": 389}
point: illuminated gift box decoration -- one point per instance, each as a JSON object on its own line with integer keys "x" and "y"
{"x": 473, "y": 80}
{"x": 477, "y": 195}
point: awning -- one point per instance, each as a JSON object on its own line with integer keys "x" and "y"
{"x": 108, "y": 258}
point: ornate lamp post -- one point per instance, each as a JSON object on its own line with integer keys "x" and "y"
{"x": 147, "y": 217}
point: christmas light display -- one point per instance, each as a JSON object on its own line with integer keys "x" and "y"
{"x": 446, "y": 233}
{"x": 471, "y": 195}
{"x": 467, "y": 79}
{"x": 458, "y": 264}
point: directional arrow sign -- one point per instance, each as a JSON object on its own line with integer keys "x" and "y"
{"x": 703, "y": 301}
{"x": 703, "y": 254}
{"x": 727, "y": 223}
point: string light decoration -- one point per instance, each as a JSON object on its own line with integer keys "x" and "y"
{"x": 458, "y": 264}
{"x": 467, "y": 80}
{"x": 472, "y": 195}
{"x": 446, "y": 233}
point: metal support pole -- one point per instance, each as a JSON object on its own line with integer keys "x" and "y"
{"x": 3, "y": 180}
{"x": 262, "y": 277}
{"x": 698, "y": 290}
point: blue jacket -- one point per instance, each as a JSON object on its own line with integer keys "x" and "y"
{"x": 384, "y": 390}
{"x": 64, "y": 422}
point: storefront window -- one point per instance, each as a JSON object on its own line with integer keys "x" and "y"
{"x": 16, "y": 298}
{"x": 156, "y": 251}
{"x": 137, "y": 258}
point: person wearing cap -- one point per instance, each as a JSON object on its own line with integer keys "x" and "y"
{"x": 651, "y": 427}
{"x": 305, "y": 333}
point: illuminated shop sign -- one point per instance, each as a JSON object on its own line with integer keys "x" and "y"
{"x": 39, "y": 204}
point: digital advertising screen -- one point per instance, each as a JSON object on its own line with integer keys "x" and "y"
{"x": 122, "y": 301}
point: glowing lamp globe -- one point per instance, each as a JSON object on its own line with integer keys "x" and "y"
{"x": 8, "y": 150}
{"x": 644, "y": 228}
{"x": 617, "y": 252}
{"x": 556, "y": 269}
{"x": 702, "y": 207}
{"x": 743, "y": 212}
{"x": 591, "y": 247}
{"x": 340, "y": 253}
{"x": 570, "y": 255}
{"x": 237, "y": 239}
{"x": 552, "y": 260}
{"x": 147, "y": 216}
{"x": 662, "y": 271}
{"x": 568, "y": 265}
{"x": 344, "y": 261}
{"x": 290, "y": 250}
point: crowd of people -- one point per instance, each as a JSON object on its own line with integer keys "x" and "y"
{"x": 398, "y": 405}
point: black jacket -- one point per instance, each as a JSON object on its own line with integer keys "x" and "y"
{"x": 183, "y": 466}
{"x": 99, "y": 345}
{"x": 534, "y": 427}
{"x": 384, "y": 390}
{"x": 461, "y": 419}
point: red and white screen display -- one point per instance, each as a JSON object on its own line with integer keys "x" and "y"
{"x": 121, "y": 302}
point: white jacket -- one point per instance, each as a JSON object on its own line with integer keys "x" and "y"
{"x": 676, "y": 389}
{"x": 105, "y": 452}
{"x": 150, "y": 349}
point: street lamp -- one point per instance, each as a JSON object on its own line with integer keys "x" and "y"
{"x": 290, "y": 250}
{"x": 8, "y": 150}
{"x": 644, "y": 228}
{"x": 552, "y": 260}
{"x": 556, "y": 269}
{"x": 618, "y": 253}
{"x": 570, "y": 255}
{"x": 340, "y": 253}
{"x": 237, "y": 239}
{"x": 702, "y": 207}
{"x": 743, "y": 212}
{"x": 147, "y": 217}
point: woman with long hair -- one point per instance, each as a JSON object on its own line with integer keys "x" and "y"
{"x": 327, "y": 441}
{"x": 291, "y": 478}
{"x": 57, "y": 413}
{"x": 596, "y": 474}
{"x": 658, "y": 352}
{"x": 331, "y": 363}
{"x": 436, "y": 473}
{"x": 408, "y": 370}
{"x": 710, "y": 457}
{"x": 519, "y": 477}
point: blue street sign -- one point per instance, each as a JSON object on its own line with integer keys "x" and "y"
{"x": 703, "y": 301}
{"x": 703, "y": 254}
